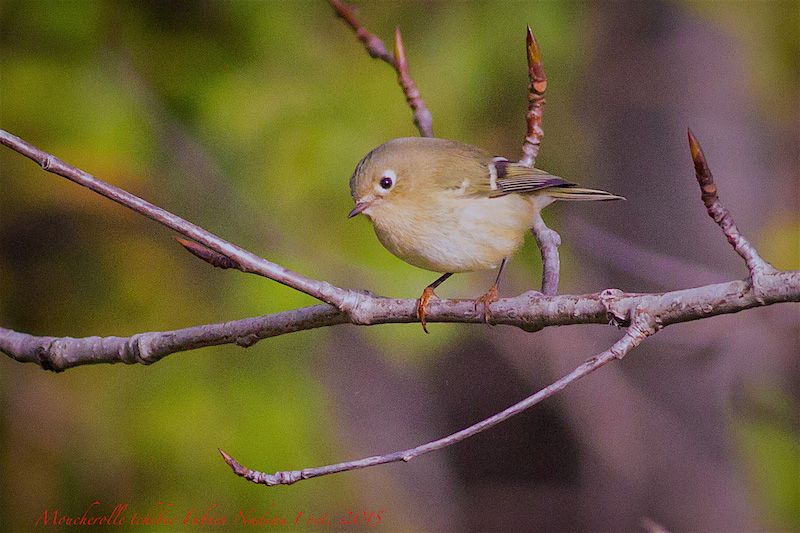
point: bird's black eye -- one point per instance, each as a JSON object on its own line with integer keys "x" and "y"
{"x": 386, "y": 182}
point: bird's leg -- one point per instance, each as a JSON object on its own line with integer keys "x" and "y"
{"x": 427, "y": 294}
{"x": 491, "y": 295}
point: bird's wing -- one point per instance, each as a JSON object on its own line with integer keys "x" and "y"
{"x": 503, "y": 177}
{"x": 516, "y": 178}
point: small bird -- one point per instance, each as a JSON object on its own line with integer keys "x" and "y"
{"x": 449, "y": 207}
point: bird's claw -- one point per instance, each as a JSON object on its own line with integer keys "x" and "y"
{"x": 427, "y": 294}
{"x": 487, "y": 299}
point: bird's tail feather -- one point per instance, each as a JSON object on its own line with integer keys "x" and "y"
{"x": 579, "y": 193}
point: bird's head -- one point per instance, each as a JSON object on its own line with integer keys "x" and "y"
{"x": 400, "y": 172}
{"x": 382, "y": 177}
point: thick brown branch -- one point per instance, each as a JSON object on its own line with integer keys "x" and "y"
{"x": 635, "y": 334}
{"x": 377, "y": 50}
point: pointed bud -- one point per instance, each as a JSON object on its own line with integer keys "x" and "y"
{"x": 399, "y": 51}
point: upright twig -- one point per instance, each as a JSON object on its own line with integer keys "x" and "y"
{"x": 547, "y": 239}
{"x": 708, "y": 193}
{"x": 377, "y": 50}
{"x": 537, "y": 83}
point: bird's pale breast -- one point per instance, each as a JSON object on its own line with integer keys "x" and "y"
{"x": 458, "y": 234}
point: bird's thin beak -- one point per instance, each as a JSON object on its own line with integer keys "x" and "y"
{"x": 360, "y": 206}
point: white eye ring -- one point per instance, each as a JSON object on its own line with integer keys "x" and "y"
{"x": 386, "y": 182}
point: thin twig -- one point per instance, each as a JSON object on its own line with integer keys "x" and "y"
{"x": 423, "y": 118}
{"x": 536, "y": 87}
{"x": 374, "y": 46}
{"x": 634, "y": 335}
{"x": 708, "y": 193}
{"x": 548, "y": 241}
{"x": 247, "y": 261}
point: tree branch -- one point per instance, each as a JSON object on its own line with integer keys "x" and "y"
{"x": 423, "y": 118}
{"x": 536, "y": 88}
{"x": 547, "y": 239}
{"x": 59, "y": 354}
{"x": 708, "y": 193}
{"x": 529, "y": 311}
{"x": 247, "y": 261}
{"x": 635, "y": 334}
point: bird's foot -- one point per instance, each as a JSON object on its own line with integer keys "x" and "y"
{"x": 487, "y": 299}
{"x": 427, "y": 294}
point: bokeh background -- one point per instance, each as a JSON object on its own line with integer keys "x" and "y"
{"x": 248, "y": 118}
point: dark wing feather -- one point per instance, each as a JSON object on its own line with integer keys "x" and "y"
{"x": 516, "y": 178}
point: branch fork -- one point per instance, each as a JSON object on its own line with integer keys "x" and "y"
{"x": 757, "y": 266}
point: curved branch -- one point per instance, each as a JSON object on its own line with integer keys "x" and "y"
{"x": 634, "y": 335}
{"x": 548, "y": 241}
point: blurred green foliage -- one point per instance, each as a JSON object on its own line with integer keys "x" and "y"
{"x": 246, "y": 118}
{"x": 767, "y": 439}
